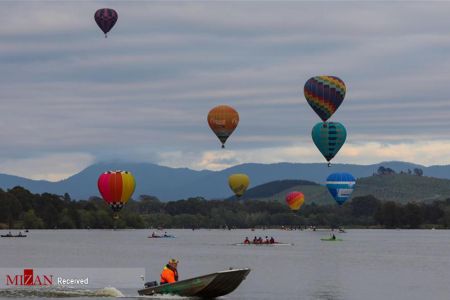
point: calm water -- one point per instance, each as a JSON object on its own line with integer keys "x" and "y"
{"x": 368, "y": 264}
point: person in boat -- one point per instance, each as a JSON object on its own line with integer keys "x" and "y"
{"x": 246, "y": 241}
{"x": 154, "y": 234}
{"x": 272, "y": 240}
{"x": 260, "y": 240}
{"x": 20, "y": 233}
{"x": 255, "y": 240}
{"x": 170, "y": 273}
{"x": 333, "y": 237}
{"x": 266, "y": 241}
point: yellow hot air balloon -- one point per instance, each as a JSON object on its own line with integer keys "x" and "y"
{"x": 238, "y": 183}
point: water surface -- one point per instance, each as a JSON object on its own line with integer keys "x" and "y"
{"x": 368, "y": 264}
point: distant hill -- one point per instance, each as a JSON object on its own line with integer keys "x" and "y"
{"x": 404, "y": 188}
{"x": 180, "y": 183}
{"x": 400, "y": 188}
{"x": 272, "y": 188}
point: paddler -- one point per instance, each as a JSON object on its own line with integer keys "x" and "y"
{"x": 170, "y": 274}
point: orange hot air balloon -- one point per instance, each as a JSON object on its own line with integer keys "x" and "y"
{"x": 116, "y": 188}
{"x": 295, "y": 200}
{"x": 223, "y": 120}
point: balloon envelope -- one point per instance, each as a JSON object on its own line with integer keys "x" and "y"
{"x": 116, "y": 188}
{"x": 341, "y": 186}
{"x": 324, "y": 94}
{"x": 295, "y": 200}
{"x": 223, "y": 120}
{"x": 105, "y": 19}
{"x": 329, "y": 138}
{"x": 238, "y": 183}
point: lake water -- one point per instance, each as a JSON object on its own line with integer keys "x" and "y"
{"x": 367, "y": 264}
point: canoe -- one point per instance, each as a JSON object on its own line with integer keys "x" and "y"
{"x": 331, "y": 240}
{"x": 162, "y": 237}
{"x": 206, "y": 286}
{"x": 274, "y": 244}
{"x": 7, "y": 235}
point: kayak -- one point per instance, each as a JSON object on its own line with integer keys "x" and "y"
{"x": 162, "y": 237}
{"x": 8, "y": 235}
{"x": 206, "y": 286}
{"x": 331, "y": 240}
{"x": 273, "y": 244}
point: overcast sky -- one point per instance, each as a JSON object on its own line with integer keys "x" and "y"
{"x": 69, "y": 97}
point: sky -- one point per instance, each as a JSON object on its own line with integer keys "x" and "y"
{"x": 70, "y": 97}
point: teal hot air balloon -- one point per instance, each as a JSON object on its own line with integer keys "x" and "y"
{"x": 329, "y": 138}
{"x": 341, "y": 186}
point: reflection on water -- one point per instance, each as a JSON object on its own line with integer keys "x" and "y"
{"x": 367, "y": 264}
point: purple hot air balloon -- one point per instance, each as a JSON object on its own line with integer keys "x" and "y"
{"x": 105, "y": 19}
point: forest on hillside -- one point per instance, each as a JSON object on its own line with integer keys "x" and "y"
{"x": 19, "y": 208}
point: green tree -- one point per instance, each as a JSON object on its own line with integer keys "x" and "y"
{"x": 30, "y": 220}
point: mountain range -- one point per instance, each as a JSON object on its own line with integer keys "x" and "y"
{"x": 180, "y": 183}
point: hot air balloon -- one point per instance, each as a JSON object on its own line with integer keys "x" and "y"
{"x": 223, "y": 120}
{"x": 341, "y": 186}
{"x": 329, "y": 138}
{"x": 105, "y": 19}
{"x": 116, "y": 188}
{"x": 324, "y": 94}
{"x": 238, "y": 183}
{"x": 295, "y": 200}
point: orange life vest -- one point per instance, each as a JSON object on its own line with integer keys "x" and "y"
{"x": 168, "y": 275}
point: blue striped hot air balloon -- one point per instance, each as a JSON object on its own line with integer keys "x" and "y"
{"x": 341, "y": 186}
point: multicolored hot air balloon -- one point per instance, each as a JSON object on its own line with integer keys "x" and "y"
{"x": 238, "y": 183}
{"x": 116, "y": 188}
{"x": 295, "y": 200}
{"x": 105, "y": 19}
{"x": 324, "y": 94}
{"x": 329, "y": 138}
{"x": 223, "y": 120}
{"x": 341, "y": 186}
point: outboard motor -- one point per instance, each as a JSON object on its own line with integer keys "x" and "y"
{"x": 150, "y": 284}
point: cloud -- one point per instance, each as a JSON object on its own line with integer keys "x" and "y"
{"x": 52, "y": 167}
{"x": 425, "y": 153}
{"x": 144, "y": 92}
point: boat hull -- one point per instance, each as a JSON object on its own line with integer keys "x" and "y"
{"x": 263, "y": 244}
{"x": 206, "y": 286}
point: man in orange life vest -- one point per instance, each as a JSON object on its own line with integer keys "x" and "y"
{"x": 169, "y": 274}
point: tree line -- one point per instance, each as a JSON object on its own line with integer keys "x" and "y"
{"x": 388, "y": 171}
{"x": 21, "y": 209}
